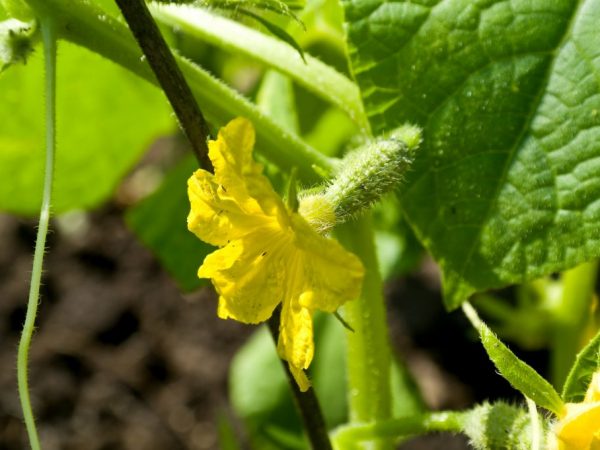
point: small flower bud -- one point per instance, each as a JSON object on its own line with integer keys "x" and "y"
{"x": 365, "y": 175}
{"x": 318, "y": 211}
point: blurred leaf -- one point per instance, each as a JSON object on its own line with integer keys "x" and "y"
{"x": 324, "y": 20}
{"x": 505, "y": 187}
{"x": 586, "y": 364}
{"x": 16, "y": 9}
{"x": 260, "y": 395}
{"x": 226, "y": 433}
{"x": 257, "y": 381}
{"x": 398, "y": 250}
{"x": 276, "y": 98}
{"x": 106, "y": 118}
{"x": 329, "y": 369}
{"x": 160, "y": 222}
{"x": 332, "y": 132}
{"x": 519, "y": 374}
{"x": 406, "y": 398}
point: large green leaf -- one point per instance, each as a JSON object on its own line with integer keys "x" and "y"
{"x": 106, "y": 119}
{"x": 506, "y": 186}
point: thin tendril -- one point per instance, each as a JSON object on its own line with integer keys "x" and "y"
{"x": 49, "y": 39}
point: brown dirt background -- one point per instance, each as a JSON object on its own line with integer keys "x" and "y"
{"x": 122, "y": 360}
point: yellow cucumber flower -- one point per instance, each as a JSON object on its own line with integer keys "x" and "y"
{"x": 579, "y": 427}
{"x": 267, "y": 254}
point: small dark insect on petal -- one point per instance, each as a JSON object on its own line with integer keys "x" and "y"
{"x": 263, "y": 254}
{"x": 223, "y": 187}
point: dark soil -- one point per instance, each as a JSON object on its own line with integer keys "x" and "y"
{"x": 123, "y": 360}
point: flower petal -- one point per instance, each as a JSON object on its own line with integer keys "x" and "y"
{"x": 248, "y": 274}
{"x": 593, "y": 391}
{"x": 237, "y": 198}
{"x": 236, "y": 170}
{"x": 300, "y": 377}
{"x": 580, "y": 424}
{"x": 332, "y": 274}
{"x": 296, "y": 334}
{"x": 216, "y": 217}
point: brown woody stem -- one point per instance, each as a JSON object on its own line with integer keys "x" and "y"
{"x": 307, "y": 402}
{"x": 169, "y": 76}
{"x": 192, "y": 121}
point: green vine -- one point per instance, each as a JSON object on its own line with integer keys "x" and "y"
{"x": 49, "y": 39}
{"x": 369, "y": 355}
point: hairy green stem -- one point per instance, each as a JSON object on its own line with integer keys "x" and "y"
{"x": 169, "y": 76}
{"x": 571, "y": 316}
{"x": 85, "y": 24}
{"x": 49, "y": 38}
{"x": 314, "y": 75}
{"x": 348, "y": 437}
{"x": 369, "y": 356}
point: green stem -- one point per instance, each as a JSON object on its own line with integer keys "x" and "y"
{"x": 85, "y": 24}
{"x": 49, "y": 38}
{"x": 314, "y": 75}
{"x": 346, "y": 438}
{"x": 571, "y": 317}
{"x": 369, "y": 356}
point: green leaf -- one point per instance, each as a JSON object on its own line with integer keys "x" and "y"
{"x": 332, "y": 132}
{"x": 260, "y": 395}
{"x": 398, "y": 251}
{"x": 506, "y": 185}
{"x": 328, "y": 371}
{"x": 106, "y": 119}
{"x": 519, "y": 374}
{"x": 160, "y": 223}
{"x": 275, "y": 98}
{"x": 283, "y": 8}
{"x": 226, "y": 432}
{"x": 586, "y": 364}
{"x": 406, "y": 398}
{"x": 276, "y": 31}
